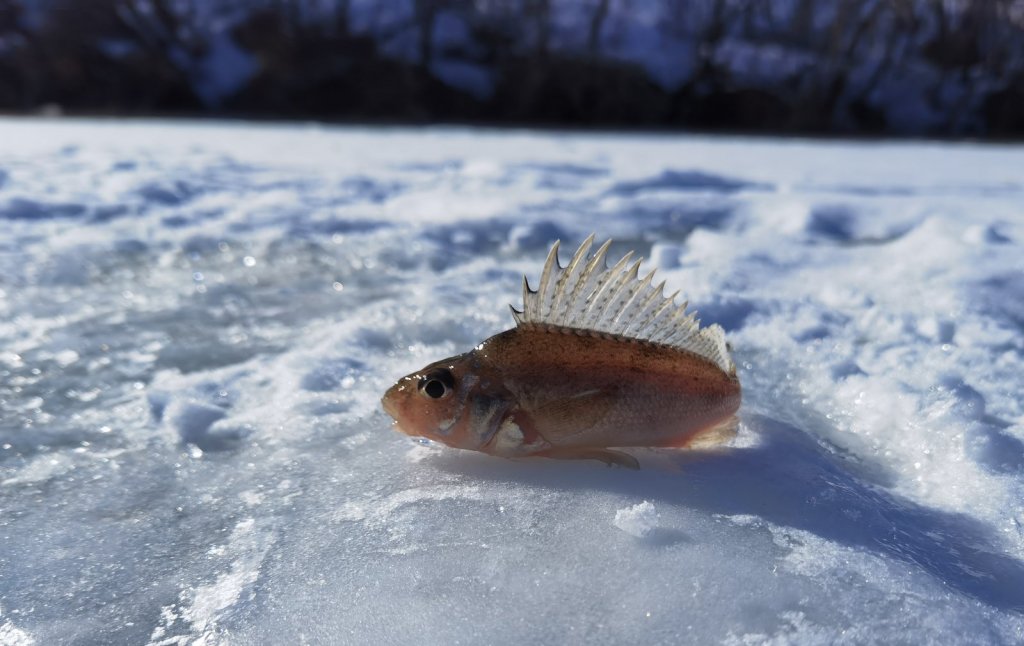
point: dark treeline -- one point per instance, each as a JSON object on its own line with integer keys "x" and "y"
{"x": 928, "y": 67}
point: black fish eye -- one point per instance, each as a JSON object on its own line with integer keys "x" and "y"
{"x": 437, "y": 383}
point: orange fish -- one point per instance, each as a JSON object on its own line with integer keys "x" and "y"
{"x": 599, "y": 359}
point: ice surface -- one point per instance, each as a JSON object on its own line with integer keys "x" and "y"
{"x": 637, "y": 520}
{"x": 197, "y": 322}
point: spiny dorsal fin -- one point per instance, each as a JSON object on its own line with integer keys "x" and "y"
{"x": 589, "y": 295}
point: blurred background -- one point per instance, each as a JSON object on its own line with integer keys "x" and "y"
{"x": 850, "y": 67}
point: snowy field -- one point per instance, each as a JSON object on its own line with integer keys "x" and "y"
{"x": 197, "y": 322}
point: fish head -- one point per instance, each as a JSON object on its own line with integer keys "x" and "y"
{"x": 447, "y": 401}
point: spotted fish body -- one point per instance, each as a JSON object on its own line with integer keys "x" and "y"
{"x": 598, "y": 359}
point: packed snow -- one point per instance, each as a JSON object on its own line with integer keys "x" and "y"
{"x": 197, "y": 322}
{"x": 637, "y": 520}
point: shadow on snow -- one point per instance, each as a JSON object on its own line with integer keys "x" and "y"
{"x": 789, "y": 480}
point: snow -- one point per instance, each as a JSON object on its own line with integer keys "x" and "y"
{"x": 10, "y": 635}
{"x": 637, "y": 520}
{"x": 197, "y": 322}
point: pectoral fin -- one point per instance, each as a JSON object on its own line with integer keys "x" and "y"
{"x": 604, "y": 455}
{"x": 573, "y": 415}
{"x": 568, "y": 416}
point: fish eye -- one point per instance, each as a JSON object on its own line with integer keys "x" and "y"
{"x": 437, "y": 384}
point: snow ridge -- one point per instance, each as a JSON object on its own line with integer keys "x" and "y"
{"x": 588, "y": 295}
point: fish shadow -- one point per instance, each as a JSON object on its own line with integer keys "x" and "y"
{"x": 790, "y": 480}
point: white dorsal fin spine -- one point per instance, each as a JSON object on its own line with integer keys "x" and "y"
{"x": 612, "y": 279}
{"x": 588, "y": 295}
{"x": 633, "y": 307}
{"x": 645, "y": 308}
{"x": 623, "y": 291}
{"x": 568, "y": 279}
{"x": 585, "y": 284}
{"x": 544, "y": 291}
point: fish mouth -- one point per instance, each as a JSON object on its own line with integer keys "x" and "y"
{"x": 387, "y": 402}
{"x": 390, "y": 407}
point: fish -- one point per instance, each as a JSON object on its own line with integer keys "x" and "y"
{"x": 599, "y": 360}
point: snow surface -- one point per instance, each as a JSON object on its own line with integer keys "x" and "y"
{"x": 197, "y": 321}
{"x": 638, "y": 520}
